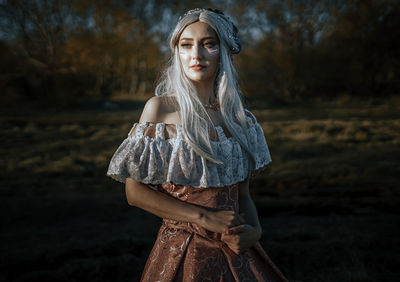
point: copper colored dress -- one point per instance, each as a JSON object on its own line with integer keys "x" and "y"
{"x": 157, "y": 154}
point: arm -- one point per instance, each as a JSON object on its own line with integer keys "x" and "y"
{"x": 162, "y": 205}
{"x": 245, "y": 235}
{"x": 248, "y": 208}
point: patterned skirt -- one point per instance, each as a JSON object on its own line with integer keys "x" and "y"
{"x": 187, "y": 252}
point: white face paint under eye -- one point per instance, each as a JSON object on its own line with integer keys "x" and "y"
{"x": 184, "y": 53}
{"x": 214, "y": 50}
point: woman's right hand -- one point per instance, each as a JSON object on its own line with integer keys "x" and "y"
{"x": 219, "y": 221}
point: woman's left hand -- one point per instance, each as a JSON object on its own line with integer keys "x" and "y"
{"x": 241, "y": 237}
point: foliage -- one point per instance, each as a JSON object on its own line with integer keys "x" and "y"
{"x": 59, "y": 51}
{"x": 327, "y": 48}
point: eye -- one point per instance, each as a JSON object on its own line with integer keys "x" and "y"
{"x": 209, "y": 44}
{"x": 186, "y": 46}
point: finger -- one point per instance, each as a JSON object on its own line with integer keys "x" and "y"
{"x": 237, "y": 229}
{"x": 234, "y": 220}
{"x": 228, "y": 231}
{"x": 234, "y": 249}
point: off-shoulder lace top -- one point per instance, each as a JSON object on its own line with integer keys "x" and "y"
{"x": 158, "y": 153}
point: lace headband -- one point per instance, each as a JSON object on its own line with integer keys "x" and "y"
{"x": 226, "y": 22}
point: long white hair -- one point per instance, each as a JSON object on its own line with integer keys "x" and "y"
{"x": 195, "y": 120}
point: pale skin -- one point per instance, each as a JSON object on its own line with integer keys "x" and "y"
{"x": 198, "y": 44}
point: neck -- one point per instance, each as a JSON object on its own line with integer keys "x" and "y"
{"x": 205, "y": 92}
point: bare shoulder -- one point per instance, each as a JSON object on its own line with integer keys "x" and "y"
{"x": 157, "y": 108}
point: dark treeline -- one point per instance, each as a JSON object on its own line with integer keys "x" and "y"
{"x": 59, "y": 51}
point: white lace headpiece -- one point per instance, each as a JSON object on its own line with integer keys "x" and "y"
{"x": 232, "y": 31}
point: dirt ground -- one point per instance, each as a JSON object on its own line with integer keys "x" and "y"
{"x": 328, "y": 202}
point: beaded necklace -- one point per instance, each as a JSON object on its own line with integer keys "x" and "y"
{"x": 214, "y": 106}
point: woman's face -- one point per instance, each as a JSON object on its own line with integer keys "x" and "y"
{"x": 198, "y": 48}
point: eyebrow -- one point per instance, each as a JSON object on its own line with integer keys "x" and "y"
{"x": 204, "y": 38}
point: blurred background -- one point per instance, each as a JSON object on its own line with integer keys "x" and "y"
{"x": 322, "y": 78}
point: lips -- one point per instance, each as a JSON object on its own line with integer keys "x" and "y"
{"x": 197, "y": 67}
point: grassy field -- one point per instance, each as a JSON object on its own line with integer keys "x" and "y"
{"x": 328, "y": 202}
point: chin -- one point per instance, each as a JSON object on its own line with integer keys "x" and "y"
{"x": 199, "y": 78}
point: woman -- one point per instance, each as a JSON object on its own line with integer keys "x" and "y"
{"x": 189, "y": 160}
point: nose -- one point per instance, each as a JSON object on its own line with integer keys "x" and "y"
{"x": 197, "y": 52}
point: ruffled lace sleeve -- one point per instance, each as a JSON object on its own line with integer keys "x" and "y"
{"x": 158, "y": 153}
{"x": 258, "y": 144}
{"x": 144, "y": 155}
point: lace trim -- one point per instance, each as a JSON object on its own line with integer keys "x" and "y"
{"x": 157, "y": 153}
{"x": 166, "y": 131}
